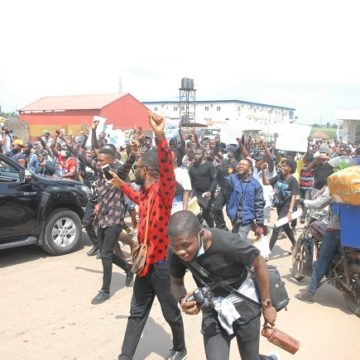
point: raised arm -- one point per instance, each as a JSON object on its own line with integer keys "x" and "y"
{"x": 268, "y": 155}
{"x": 167, "y": 183}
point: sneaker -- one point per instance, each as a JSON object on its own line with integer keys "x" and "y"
{"x": 274, "y": 356}
{"x": 306, "y": 296}
{"x": 177, "y": 355}
{"x": 100, "y": 298}
{"x": 129, "y": 278}
{"x": 93, "y": 251}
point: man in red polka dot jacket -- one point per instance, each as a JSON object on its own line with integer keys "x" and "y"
{"x": 155, "y": 173}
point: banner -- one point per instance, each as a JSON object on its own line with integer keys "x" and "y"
{"x": 292, "y": 137}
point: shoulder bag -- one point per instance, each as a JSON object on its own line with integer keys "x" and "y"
{"x": 140, "y": 253}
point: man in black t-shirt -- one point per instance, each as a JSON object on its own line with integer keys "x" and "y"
{"x": 226, "y": 257}
{"x": 203, "y": 182}
{"x": 320, "y": 168}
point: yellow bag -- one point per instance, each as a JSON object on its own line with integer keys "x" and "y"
{"x": 344, "y": 185}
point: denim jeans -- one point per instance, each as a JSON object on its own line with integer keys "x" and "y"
{"x": 107, "y": 238}
{"x": 328, "y": 248}
{"x": 156, "y": 282}
{"x": 242, "y": 230}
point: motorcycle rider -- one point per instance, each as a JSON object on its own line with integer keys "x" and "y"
{"x": 329, "y": 245}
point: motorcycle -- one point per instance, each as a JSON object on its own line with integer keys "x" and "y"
{"x": 344, "y": 271}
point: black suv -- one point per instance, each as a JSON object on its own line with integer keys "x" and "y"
{"x": 40, "y": 210}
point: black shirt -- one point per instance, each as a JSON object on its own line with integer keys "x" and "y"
{"x": 227, "y": 258}
{"x": 284, "y": 189}
{"x": 321, "y": 173}
{"x": 203, "y": 177}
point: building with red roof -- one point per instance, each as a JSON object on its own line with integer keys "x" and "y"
{"x": 76, "y": 113}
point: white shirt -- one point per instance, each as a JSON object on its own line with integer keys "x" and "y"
{"x": 183, "y": 178}
{"x": 267, "y": 189}
{"x": 7, "y": 144}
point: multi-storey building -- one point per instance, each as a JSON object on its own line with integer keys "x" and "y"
{"x": 245, "y": 114}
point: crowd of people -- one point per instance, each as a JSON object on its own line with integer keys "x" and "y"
{"x": 155, "y": 181}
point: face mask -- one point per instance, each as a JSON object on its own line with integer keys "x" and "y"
{"x": 201, "y": 250}
{"x": 225, "y": 156}
{"x": 64, "y": 153}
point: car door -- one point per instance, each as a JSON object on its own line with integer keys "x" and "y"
{"x": 18, "y": 201}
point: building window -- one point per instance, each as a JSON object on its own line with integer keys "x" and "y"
{"x": 206, "y": 108}
{"x": 175, "y": 108}
{"x": 155, "y": 108}
{"x": 218, "y": 108}
{"x": 291, "y": 115}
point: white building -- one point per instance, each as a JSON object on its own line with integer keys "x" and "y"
{"x": 349, "y": 119}
{"x": 243, "y": 115}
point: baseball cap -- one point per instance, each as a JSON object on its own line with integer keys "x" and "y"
{"x": 324, "y": 148}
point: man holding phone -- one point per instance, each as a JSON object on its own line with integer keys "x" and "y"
{"x": 109, "y": 218}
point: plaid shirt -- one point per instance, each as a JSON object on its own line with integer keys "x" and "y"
{"x": 111, "y": 199}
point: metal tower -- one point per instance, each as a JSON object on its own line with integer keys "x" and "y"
{"x": 187, "y": 101}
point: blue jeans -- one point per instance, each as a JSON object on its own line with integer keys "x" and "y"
{"x": 242, "y": 230}
{"x": 156, "y": 282}
{"x": 328, "y": 248}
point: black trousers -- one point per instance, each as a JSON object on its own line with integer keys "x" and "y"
{"x": 88, "y": 220}
{"x": 207, "y": 208}
{"x": 107, "y": 239}
{"x": 247, "y": 333}
{"x": 156, "y": 282}
{"x": 276, "y": 231}
{"x": 219, "y": 203}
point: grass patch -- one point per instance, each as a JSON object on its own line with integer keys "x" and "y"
{"x": 328, "y": 132}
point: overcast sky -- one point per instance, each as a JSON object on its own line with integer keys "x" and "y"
{"x": 302, "y": 54}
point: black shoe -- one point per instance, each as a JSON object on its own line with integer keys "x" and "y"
{"x": 177, "y": 355}
{"x": 129, "y": 278}
{"x": 100, "y": 298}
{"x": 302, "y": 220}
{"x": 93, "y": 251}
{"x": 98, "y": 256}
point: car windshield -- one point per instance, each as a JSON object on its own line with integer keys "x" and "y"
{"x": 7, "y": 172}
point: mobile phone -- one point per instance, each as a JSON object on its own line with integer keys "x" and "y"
{"x": 105, "y": 169}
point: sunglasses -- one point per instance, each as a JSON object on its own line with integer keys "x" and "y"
{"x": 139, "y": 167}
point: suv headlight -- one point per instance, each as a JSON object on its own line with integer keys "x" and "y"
{"x": 85, "y": 190}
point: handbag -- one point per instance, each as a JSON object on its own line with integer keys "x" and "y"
{"x": 139, "y": 254}
{"x": 278, "y": 294}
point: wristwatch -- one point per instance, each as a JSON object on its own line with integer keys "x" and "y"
{"x": 266, "y": 303}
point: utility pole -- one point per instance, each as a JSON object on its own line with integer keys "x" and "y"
{"x": 120, "y": 85}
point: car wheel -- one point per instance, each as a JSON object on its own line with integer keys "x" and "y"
{"x": 62, "y": 232}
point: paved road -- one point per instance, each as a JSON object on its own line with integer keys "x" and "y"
{"x": 45, "y": 313}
